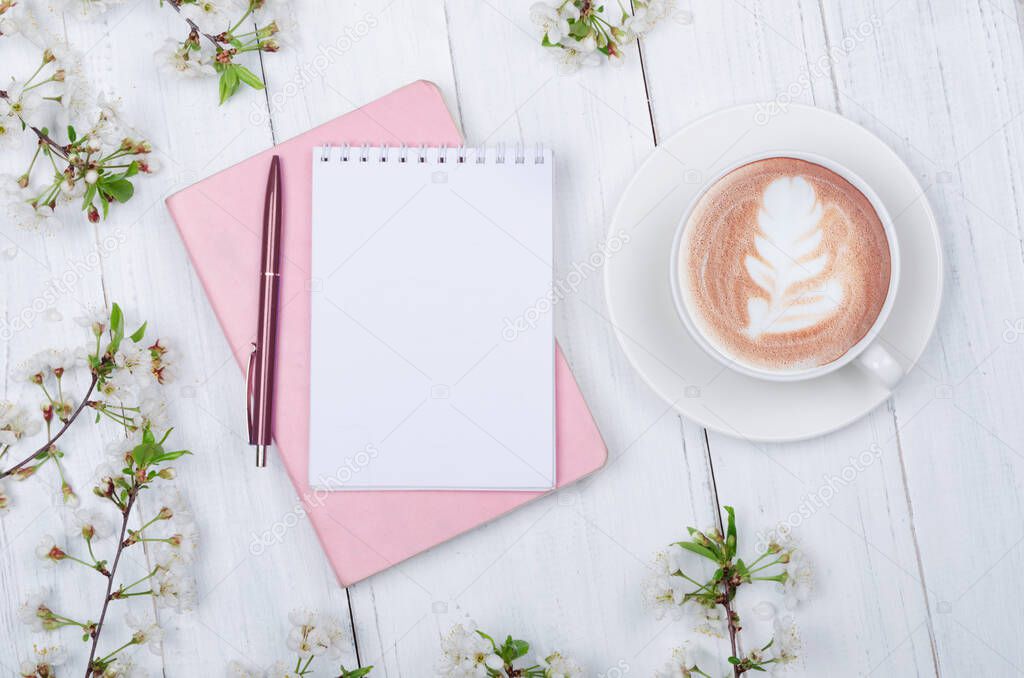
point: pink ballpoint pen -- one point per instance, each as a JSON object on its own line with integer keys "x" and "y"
{"x": 259, "y": 386}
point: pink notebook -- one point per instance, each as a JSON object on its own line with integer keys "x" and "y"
{"x": 220, "y": 220}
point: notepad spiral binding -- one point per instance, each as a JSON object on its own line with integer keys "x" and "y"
{"x": 432, "y": 154}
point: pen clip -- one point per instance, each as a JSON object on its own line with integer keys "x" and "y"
{"x": 249, "y": 394}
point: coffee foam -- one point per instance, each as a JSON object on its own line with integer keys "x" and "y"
{"x": 784, "y": 265}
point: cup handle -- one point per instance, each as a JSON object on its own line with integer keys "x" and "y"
{"x": 879, "y": 363}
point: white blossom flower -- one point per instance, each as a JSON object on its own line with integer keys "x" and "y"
{"x": 152, "y": 409}
{"x": 96, "y": 319}
{"x": 552, "y": 21}
{"x": 93, "y": 524}
{"x": 58, "y": 360}
{"x": 76, "y": 97}
{"x": 174, "y": 589}
{"x": 84, "y": 9}
{"x": 48, "y": 551}
{"x": 34, "y": 611}
{"x": 133, "y": 358}
{"x": 123, "y": 667}
{"x": 46, "y": 658}
{"x": 679, "y": 665}
{"x": 239, "y": 669}
{"x": 799, "y": 579}
{"x": 145, "y": 631}
{"x": 646, "y": 15}
{"x": 172, "y": 58}
{"x": 119, "y": 388}
{"x": 576, "y": 55}
{"x": 714, "y": 623}
{"x": 182, "y": 545}
{"x": 465, "y": 653}
{"x": 786, "y": 642}
{"x": 663, "y": 592}
{"x": 557, "y": 665}
{"x": 15, "y": 423}
{"x": 9, "y": 25}
{"x": 10, "y": 133}
{"x": 30, "y": 217}
{"x": 205, "y": 12}
{"x": 20, "y": 102}
{"x": 281, "y": 670}
{"x": 314, "y": 633}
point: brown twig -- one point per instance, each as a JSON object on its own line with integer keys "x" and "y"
{"x": 43, "y": 136}
{"x": 176, "y": 4}
{"x": 125, "y": 515}
{"x": 49, "y": 443}
{"x": 733, "y": 630}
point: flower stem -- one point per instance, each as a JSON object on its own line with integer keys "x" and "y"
{"x": 51, "y": 441}
{"x": 126, "y": 514}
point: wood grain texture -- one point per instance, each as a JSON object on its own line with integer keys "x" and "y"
{"x": 916, "y": 541}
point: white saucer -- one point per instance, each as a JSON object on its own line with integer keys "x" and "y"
{"x": 640, "y": 299}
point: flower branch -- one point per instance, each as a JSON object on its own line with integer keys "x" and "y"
{"x": 125, "y": 375}
{"x": 710, "y": 600}
{"x": 189, "y": 57}
{"x": 92, "y": 169}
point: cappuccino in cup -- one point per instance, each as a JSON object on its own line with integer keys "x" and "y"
{"x": 784, "y": 266}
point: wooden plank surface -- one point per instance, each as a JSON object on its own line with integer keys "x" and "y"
{"x": 915, "y": 555}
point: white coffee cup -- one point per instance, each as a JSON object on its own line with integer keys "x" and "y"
{"x": 868, "y": 353}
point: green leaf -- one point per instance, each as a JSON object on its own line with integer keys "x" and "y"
{"x": 228, "y": 82}
{"x": 90, "y": 193}
{"x": 168, "y": 456}
{"x": 248, "y": 77}
{"x": 734, "y": 660}
{"x": 357, "y": 673}
{"x": 132, "y": 170}
{"x": 698, "y": 549}
{"x": 579, "y": 29}
{"x": 145, "y": 453}
{"x": 730, "y": 532}
{"x": 104, "y": 203}
{"x": 116, "y": 328}
{"x": 514, "y": 649}
{"x": 138, "y": 334}
{"x": 72, "y": 136}
{"x": 120, "y": 190}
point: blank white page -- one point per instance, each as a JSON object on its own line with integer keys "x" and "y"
{"x": 432, "y": 332}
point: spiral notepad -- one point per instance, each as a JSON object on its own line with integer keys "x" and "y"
{"x": 432, "y": 331}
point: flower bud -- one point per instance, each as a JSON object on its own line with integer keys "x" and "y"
{"x": 23, "y": 181}
{"x": 94, "y": 214}
{"x": 167, "y": 474}
{"x": 58, "y": 75}
{"x": 92, "y": 176}
{"x": 48, "y": 55}
{"x": 165, "y": 513}
{"x": 270, "y": 46}
{"x": 25, "y": 472}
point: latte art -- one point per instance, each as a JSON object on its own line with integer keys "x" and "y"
{"x": 784, "y": 265}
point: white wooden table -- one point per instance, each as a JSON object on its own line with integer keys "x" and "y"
{"x": 918, "y": 557}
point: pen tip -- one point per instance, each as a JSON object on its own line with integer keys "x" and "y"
{"x": 261, "y": 456}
